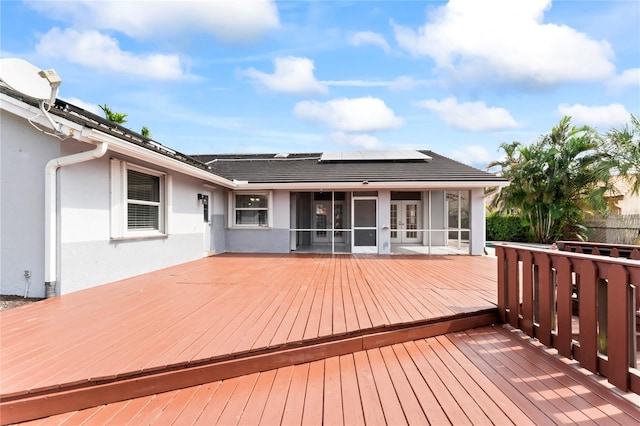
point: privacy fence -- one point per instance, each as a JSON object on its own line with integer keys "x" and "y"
{"x": 615, "y": 229}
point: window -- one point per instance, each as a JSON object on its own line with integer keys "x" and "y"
{"x": 138, "y": 201}
{"x": 251, "y": 209}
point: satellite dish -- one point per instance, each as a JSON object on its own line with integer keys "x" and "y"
{"x": 23, "y": 77}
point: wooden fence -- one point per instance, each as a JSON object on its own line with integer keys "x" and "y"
{"x": 614, "y": 229}
{"x": 583, "y": 305}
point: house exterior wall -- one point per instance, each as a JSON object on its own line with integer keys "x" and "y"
{"x": 264, "y": 240}
{"x": 630, "y": 204}
{"x": 24, "y": 153}
{"x": 86, "y": 253}
{"x": 88, "y": 256}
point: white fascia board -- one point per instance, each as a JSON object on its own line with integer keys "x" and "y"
{"x": 360, "y": 186}
{"x": 84, "y": 134}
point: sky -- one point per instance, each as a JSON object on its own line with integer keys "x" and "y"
{"x": 259, "y": 76}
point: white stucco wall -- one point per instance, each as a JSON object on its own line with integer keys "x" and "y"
{"x": 88, "y": 255}
{"x": 24, "y": 152}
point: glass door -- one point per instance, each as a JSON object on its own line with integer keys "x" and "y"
{"x": 405, "y": 221}
{"x": 365, "y": 225}
{"x": 322, "y": 222}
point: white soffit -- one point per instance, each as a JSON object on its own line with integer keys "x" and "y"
{"x": 390, "y": 155}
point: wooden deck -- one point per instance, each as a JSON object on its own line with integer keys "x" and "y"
{"x": 484, "y": 376}
{"x": 218, "y": 327}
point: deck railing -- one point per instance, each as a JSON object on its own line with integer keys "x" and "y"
{"x": 583, "y": 305}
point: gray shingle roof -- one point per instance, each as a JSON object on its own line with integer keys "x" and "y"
{"x": 294, "y": 168}
{"x": 299, "y": 168}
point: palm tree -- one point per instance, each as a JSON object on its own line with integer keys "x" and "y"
{"x": 114, "y": 117}
{"x": 623, "y": 145}
{"x": 555, "y": 180}
{"x": 145, "y": 132}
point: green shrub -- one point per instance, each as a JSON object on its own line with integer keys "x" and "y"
{"x": 505, "y": 228}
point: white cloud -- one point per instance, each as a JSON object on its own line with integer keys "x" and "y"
{"x": 401, "y": 83}
{"x": 508, "y": 40}
{"x": 405, "y": 82}
{"x": 84, "y": 105}
{"x": 230, "y": 21}
{"x": 354, "y": 140}
{"x": 349, "y": 115}
{"x": 291, "y": 75}
{"x": 356, "y": 83}
{"x": 369, "y": 37}
{"x": 95, "y": 50}
{"x": 473, "y": 155}
{"x": 472, "y": 116}
{"x": 628, "y": 78}
{"x": 606, "y": 116}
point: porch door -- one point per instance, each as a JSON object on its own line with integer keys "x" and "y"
{"x": 405, "y": 219}
{"x": 365, "y": 225}
{"x": 322, "y": 221}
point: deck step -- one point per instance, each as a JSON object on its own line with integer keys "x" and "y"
{"x": 38, "y": 403}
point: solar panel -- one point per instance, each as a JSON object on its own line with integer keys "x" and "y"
{"x": 382, "y": 155}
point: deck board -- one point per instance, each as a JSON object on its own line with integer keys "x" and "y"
{"x": 192, "y": 409}
{"x": 370, "y": 400}
{"x": 294, "y": 406}
{"x": 252, "y": 413}
{"x": 351, "y": 407}
{"x": 332, "y": 401}
{"x": 277, "y": 398}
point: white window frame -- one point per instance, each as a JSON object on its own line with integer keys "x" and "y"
{"x": 120, "y": 202}
{"x": 232, "y": 210}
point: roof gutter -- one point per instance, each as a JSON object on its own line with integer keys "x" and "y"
{"x": 370, "y": 185}
{"x": 50, "y": 209}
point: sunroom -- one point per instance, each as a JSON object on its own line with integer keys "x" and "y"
{"x": 382, "y": 221}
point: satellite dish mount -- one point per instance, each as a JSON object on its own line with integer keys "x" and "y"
{"x": 54, "y": 81}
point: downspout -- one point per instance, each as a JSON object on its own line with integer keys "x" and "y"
{"x": 50, "y": 223}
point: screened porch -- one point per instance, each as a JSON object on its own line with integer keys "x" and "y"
{"x": 383, "y": 222}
